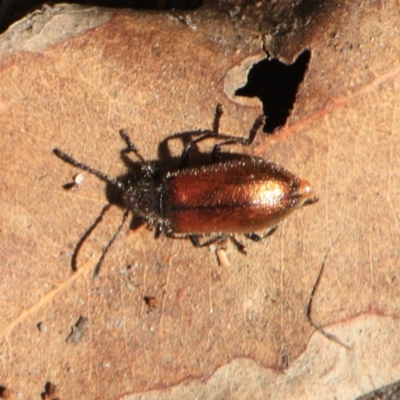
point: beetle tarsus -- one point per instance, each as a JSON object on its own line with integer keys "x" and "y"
{"x": 219, "y": 110}
{"x": 239, "y": 245}
{"x": 259, "y": 122}
{"x": 258, "y": 238}
{"x": 158, "y": 231}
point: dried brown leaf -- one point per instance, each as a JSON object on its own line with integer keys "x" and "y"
{"x": 154, "y": 76}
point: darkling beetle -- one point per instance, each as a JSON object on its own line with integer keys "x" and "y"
{"x": 238, "y": 196}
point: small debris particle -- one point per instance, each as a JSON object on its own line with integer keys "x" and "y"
{"x": 42, "y": 327}
{"x": 223, "y": 260}
{"x": 151, "y": 302}
{"x": 5, "y": 393}
{"x": 50, "y": 392}
{"x": 78, "y": 179}
{"x": 78, "y": 330}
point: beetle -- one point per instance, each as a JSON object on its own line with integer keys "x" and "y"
{"x": 241, "y": 195}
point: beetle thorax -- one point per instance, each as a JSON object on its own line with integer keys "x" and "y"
{"x": 144, "y": 199}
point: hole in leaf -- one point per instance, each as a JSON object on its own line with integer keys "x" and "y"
{"x": 275, "y": 84}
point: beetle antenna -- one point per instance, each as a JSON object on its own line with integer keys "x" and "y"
{"x": 109, "y": 244}
{"x": 101, "y": 175}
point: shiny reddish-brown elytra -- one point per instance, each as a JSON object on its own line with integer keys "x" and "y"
{"x": 241, "y": 195}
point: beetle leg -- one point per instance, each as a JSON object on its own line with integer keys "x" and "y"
{"x": 130, "y": 147}
{"x": 85, "y": 236}
{"x": 239, "y": 245}
{"x": 259, "y": 122}
{"x": 258, "y": 238}
{"x": 216, "y": 153}
{"x": 195, "y": 238}
{"x": 110, "y": 243}
{"x": 196, "y": 243}
{"x": 219, "y": 110}
{"x": 158, "y": 231}
{"x": 186, "y": 150}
